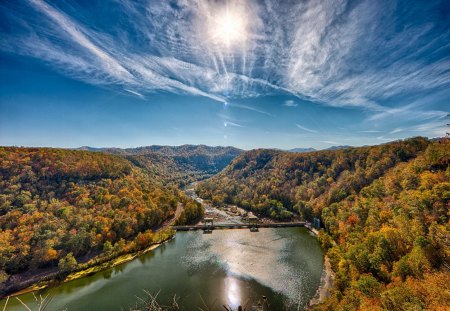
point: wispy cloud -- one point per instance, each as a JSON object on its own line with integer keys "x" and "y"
{"x": 251, "y": 108}
{"x": 290, "y": 103}
{"x": 370, "y": 131}
{"x": 346, "y": 55}
{"x": 75, "y": 33}
{"x": 339, "y": 54}
{"x": 432, "y": 128}
{"x": 408, "y": 112}
{"x": 396, "y": 130}
{"x": 330, "y": 142}
{"x": 306, "y": 129}
{"x": 135, "y": 93}
{"x": 405, "y": 120}
{"x": 229, "y": 123}
{"x": 383, "y": 138}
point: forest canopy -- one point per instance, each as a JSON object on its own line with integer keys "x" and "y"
{"x": 59, "y": 206}
{"x": 178, "y": 165}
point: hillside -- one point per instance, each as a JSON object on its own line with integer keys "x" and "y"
{"x": 62, "y": 206}
{"x": 177, "y": 164}
{"x": 385, "y": 210}
{"x": 391, "y": 247}
{"x": 277, "y": 183}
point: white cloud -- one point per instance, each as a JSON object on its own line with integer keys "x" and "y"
{"x": 407, "y": 112}
{"x": 250, "y": 108}
{"x": 397, "y": 130}
{"x": 226, "y": 123}
{"x": 75, "y": 32}
{"x": 370, "y": 131}
{"x": 290, "y": 103}
{"x": 431, "y": 128}
{"x": 135, "y": 93}
{"x": 306, "y": 129}
{"x": 383, "y": 138}
{"x": 330, "y": 142}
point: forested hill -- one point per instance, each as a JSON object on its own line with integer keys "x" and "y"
{"x": 275, "y": 183}
{"x": 178, "y": 164}
{"x": 386, "y": 211}
{"x": 60, "y": 206}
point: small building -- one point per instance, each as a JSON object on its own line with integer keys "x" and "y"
{"x": 209, "y": 222}
{"x": 316, "y": 223}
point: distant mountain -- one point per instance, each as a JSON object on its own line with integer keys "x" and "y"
{"x": 313, "y": 149}
{"x": 87, "y": 148}
{"x": 338, "y": 147}
{"x": 167, "y": 150}
{"x": 180, "y": 164}
{"x": 302, "y": 150}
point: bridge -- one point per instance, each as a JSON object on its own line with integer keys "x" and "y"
{"x": 209, "y": 226}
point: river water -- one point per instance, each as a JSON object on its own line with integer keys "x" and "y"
{"x": 232, "y": 267}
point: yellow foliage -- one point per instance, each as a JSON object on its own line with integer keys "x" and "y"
{"x": 51, "y": 254}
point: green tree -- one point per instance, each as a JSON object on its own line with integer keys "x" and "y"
{"x": 67, "y": 263}
{"x": 369, "y": 286}
{"x": 401, "y": 298}
{"x": 107, "y": 247}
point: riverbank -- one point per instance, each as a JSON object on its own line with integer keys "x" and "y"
{"x": 326, "y": 279}
{"x": 90, "y": 270}
{"x": 41, "y": 280}
{"x": 326, "y": 284}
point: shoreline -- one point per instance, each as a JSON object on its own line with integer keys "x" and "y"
{"x": 325, "y": 286}
{"x": 88, "y": 271}
{"x": 326, "y": 279}
{"x": 51, "y": 278}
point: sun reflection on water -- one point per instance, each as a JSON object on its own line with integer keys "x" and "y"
{"x": 233, "y": 291}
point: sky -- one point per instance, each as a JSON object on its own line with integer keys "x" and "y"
{"x": 250, "y": 74}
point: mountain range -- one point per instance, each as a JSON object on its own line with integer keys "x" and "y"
{"x": 178, "y": 164}
{"x": 313, "y": 149}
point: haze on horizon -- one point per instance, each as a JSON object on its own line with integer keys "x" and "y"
{"x": 250, "y": 74}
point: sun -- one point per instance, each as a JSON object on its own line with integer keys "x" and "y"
{"x": 229, "y": 28}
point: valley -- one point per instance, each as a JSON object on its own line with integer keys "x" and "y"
{"x": 106, "y": 208}
{"x": 257, "y": 155}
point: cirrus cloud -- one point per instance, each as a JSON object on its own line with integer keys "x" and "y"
{"x": 335, "y": 53}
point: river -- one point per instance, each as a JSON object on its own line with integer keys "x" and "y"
{"x": 230, "y": 267}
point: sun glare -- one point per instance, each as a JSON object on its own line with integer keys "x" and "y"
{"x": 229, "y": 28}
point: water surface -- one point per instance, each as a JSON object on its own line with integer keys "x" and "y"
{"x": 230, "y": 267}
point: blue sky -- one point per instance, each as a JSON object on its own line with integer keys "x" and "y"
{"x": 250, "y": 74}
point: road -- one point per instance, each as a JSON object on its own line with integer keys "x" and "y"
{"x": 171, "y": 221}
